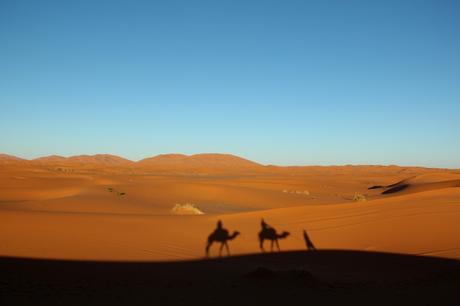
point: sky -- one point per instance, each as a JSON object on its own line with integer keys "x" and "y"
{"x": 278, "y": 82}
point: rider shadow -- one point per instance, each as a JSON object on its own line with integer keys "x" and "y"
{"x": 269, "y": 233}
{"x": 221, "y": 235}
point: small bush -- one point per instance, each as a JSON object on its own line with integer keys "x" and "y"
{"x": 359, "y": 197}
{"x": 186, "y": 209}
{"x": 300, "y": 192}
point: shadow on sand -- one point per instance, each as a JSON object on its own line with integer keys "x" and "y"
{"x": 321, "y": 277}
{"x": 268, "y": 232}
{"x": 222, "y": 236}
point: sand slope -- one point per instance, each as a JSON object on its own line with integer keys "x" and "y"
{"x": 422, "y": 223}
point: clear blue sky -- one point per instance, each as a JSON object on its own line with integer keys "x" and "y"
{"x": 280, "y": 82}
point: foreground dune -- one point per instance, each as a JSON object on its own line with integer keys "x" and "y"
{"x": 422, "y": 223}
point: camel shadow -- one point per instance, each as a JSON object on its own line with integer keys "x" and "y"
{"x": 221, "y": 235}
{"x": 269, "y": 233}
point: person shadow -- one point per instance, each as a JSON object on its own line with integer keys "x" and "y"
{"x": 220, "y": 234}
{"x": 308, "y": 242}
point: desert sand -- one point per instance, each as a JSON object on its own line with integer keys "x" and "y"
{"x": 108, "y": 209}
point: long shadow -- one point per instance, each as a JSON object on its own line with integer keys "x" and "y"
{"x": 267, "y": 232}
{"x": 321, "y": 277}
{"x": 222, "y": 236}
{"x": 396, "y": 189}
{"x": 308, "y": 243}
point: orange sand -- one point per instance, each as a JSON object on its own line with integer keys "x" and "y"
{"x": 62, "y": 207}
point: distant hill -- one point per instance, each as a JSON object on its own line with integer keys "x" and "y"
{"x": 98, "y": 159}
{"x": 104, "y": 159}
{"x": 205, "y": 163}
{"x": 202, "y": 163}
{"x": 50, "y": 159}
{"x": 163, "y": 159}
{"x": 7, "y": 159}
{"x": 199, "y": 163}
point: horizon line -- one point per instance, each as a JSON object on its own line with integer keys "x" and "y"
{"x": 229, "y": 154}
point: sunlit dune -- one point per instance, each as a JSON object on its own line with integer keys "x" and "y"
{"x": 98, "y": 159}
{"x": 107, "y": 208}
{"x": 199, "y": 163}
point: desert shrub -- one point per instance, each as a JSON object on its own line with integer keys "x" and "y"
{"x": 359, "y": 197}
{"x": 300, "y": 192}
{"x": 186, "y": 209}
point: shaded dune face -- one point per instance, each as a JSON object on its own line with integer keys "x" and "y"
{"x": 105, "y": 208}
{"x": 421, "y": 183}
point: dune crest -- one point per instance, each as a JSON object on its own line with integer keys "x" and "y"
{"x": 7, "y": 159}
{"x": 205, "y": 162}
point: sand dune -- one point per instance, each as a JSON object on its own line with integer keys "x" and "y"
{"x": 121, "y": 212}
{"x": 199, "y": 163}
{"x": 51, "y": 159}
{"x": 423, "y": 223}
{"x": 98, "y": 159}
{"x": 423, "y": 182}
{"x": 9, "y": 159}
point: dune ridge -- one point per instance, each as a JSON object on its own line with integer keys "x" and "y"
{"x": 420, "y": 183}
{"x": 196, "y": 161}
{"x": 6, "y": 159}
